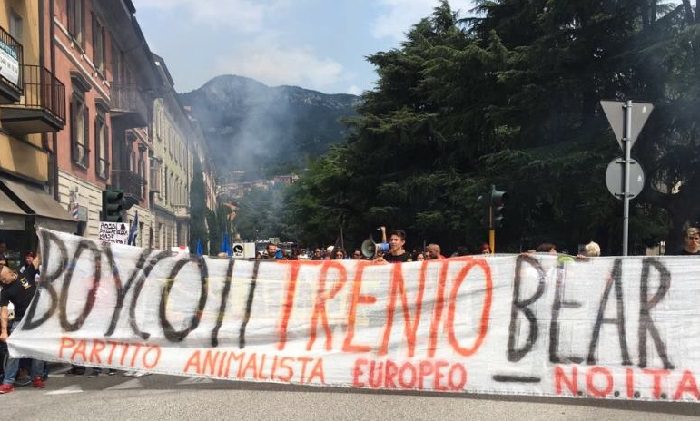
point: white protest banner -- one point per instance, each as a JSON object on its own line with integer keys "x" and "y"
{"x": 114, "y": 232}
{"x": 621, "y": 328}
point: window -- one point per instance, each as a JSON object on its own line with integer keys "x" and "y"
{"x": 117, "y": 63}
{"x": 101, "y": 147}
{"x": 79, "y": 129}
{"x": 165, "y": 184}
{"x": 75, "y": 20}
{"x": 155, "y": 181}
{"x": 140, "y": 237}
{"x": 141, "y": 172}
{"x": 16, "y": 26}
{"x": 98, "y": 45}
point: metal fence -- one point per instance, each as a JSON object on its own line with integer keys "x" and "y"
{"x": 43, "y": 90}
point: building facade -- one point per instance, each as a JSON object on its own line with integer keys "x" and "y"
{"x": 99, "y": 50}
{"x": 85, "y": 106}
{"x": 134, "y": 88}
{"x": 173, "y": 136}
{"x": 32, "y": 110}
{"x": 81, "y": 53}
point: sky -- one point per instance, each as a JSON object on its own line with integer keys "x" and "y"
{"x": 315, "y": 44}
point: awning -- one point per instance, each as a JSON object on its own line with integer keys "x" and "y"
{"x": 11, "y": 216}
{"x": 49, "y": 213}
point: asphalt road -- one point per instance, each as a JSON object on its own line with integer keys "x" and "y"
{"x": 120, "y": 398}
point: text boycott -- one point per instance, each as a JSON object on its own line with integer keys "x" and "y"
{"x": 534, "y": 325}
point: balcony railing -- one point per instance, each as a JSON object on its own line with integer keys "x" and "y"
{"x": 44, "y": 91}
{"x": 131, "y": 184}
{"x": 11, "y": 61}
{"x": 127, "y": 102}
{"x": 42, "y": 107}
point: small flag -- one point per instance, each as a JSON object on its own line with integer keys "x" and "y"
{"x": 226, "y": 245}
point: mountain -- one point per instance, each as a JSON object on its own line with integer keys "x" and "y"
{"x": 266, "y": 130}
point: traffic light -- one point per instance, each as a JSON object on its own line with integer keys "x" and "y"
{"x": 112, "y": 205}
{"x": 498, "y": 198}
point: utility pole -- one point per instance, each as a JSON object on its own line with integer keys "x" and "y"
{"x": 624, "y": 177}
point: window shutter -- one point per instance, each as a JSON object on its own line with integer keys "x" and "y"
{"x": 71, "y": 17}
{"x": 94, "y": 41}
{"x": 107, "y": 145}
{"x": 97, "y": 148}
{"x": 81, "y": 23}
{"x": 73, "y": 132}
{"x": 86, "y": 137}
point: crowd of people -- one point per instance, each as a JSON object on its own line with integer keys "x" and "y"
{"x": 18, "y": 288}
{"x": 396, "y": 251}
{"x": 19, "y": 285}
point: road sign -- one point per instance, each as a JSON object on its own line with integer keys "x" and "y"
{"x": 615, "y": 112}
{"x": 615, "y": 178}
{"x": 623, "y": 180}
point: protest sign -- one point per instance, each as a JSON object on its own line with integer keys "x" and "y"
{"x": 113, "y": 232}
{"x": 534, "y": 325}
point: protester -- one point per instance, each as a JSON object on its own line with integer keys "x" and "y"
{"x": 546, "y": 248}
{"x": 592, "y": 249}
{"x": 339, "y": 254}
{"x": 357, "y": 254}
{"x": 485, "y": 248}
{"x": 20, "y": 292}
{"x": 691, "y": 244}
{"x": 396, "y": 254}
{"x": 419, "y": 257}
{"x": 433, "y": 250}
{"x": 29, "y": 268}
{"x": 272, "y": 252}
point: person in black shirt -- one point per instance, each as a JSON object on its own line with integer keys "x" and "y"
{"x": 20, "y": 292}
{"x": 396, "y": 254}
{"x": 691, "y": 244}
{"x": 28, "y": 270}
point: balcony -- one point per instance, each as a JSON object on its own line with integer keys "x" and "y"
{"x": 182, "y": 211}
{"x": 128, "y": 106}
{"x": 131, "y": 184}
{"x": 41, "y": 109}
{"x": 11, "y": 61}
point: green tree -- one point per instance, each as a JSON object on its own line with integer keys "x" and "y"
{"x": 261, "y": 214}
{"x": 198, "y": 209}
{"x": 511, "y": 98}
{"x": 216, "y": 229}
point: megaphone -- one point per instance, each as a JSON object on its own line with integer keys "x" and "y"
{"x": 370, "y": 249}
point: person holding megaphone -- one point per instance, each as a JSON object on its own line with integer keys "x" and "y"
{"x": 396, "y": 253}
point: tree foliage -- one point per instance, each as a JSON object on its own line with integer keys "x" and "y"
{"x": 511, "y": 98}
{"x": 198, "y": 209}
{"x": 262, "y": 214}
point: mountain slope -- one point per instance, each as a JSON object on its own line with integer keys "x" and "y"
{"x": 263, "y": 130}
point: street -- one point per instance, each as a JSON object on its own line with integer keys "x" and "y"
{"x": 165, "y": 397}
